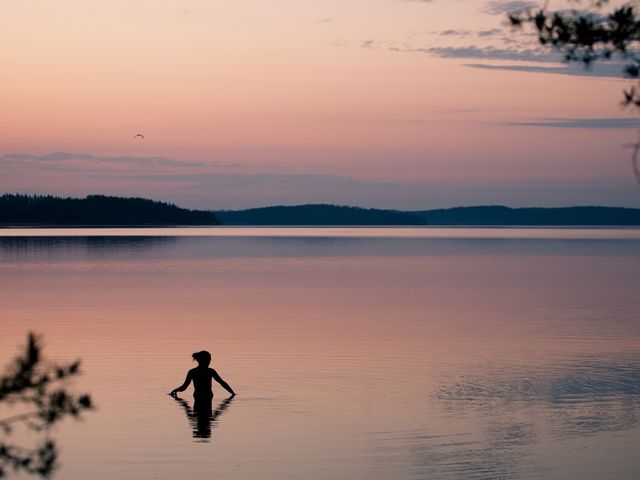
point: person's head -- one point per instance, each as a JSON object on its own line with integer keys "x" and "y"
{"x": 203, "y": 358}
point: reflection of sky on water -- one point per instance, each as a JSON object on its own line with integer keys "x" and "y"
{"x": 406, "y": 358}
{"x": 587, "y": 379}
{"x": 499, "y": 422}
{"x": 589, "y": 397}
{"x": 501, "y": 452}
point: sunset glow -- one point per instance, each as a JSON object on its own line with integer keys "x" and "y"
{"x": 377, "y": 103}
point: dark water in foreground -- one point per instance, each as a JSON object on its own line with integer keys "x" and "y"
{"x": 356, "y": 353}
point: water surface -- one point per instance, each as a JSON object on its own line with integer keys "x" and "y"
{"x": 357, "y": 353}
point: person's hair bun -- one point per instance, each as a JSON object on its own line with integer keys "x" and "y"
{"x": 202, "y": 356}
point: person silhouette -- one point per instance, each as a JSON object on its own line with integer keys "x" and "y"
{"x": 201, "y": 377}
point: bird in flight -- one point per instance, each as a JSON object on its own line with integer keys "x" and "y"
{"x": 139, "y": 135}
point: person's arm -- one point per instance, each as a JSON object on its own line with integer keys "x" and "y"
{"x": 182, "y": 387}
{"x": 222, "y": 383}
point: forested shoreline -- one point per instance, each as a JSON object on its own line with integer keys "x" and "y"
{"x": 95, "y": 210}
{"x": 102, "y": 210}
{"x": 489, "y": 215}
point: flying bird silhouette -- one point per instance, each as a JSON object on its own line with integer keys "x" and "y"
{"x": 139, "y": 135}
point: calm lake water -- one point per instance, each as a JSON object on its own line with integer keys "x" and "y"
{"x": 382, "y": 353}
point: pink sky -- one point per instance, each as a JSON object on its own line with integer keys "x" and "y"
{"x": 379, "y": 103}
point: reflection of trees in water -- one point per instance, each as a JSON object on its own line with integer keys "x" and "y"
{"x": 203, "y": 417}
{"x": 38, "y": 390}
{"x": 77, "y": 247}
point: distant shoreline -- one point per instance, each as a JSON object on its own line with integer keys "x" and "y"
{"x": 99, "y": 211}
{"x": 146, "y": 225}
{"x": 96, "y": 211}
{"x": 222, "y": 227}
{"x": 476, "y": 216}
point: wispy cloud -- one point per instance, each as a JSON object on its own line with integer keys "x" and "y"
{"x": 587, "y": 123}
{"x": 536, "y": 55}
{"x": 605, "y": 70}
{"x": 497, "y": 46}
{"x": 535, "y": 59}
{"x": 59, "y": 158}
{"x": 496, "y": 7}
{"x": 503, "y": 7}
{"x": 489, "y": 33}
{"x": 491, "y": 53}
{"x": 452, "y": 32}
{"x": 455, "y": 32}
{"x": 243, "y": 180}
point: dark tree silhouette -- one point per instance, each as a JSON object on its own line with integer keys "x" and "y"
{"x": 590, "y": 35}
{"x": 317, "y": 215}
{"x": 38, "y": 388}
{"x": 96, "y": 210}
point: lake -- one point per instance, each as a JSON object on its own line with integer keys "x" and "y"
{"x": 357, "y": 353}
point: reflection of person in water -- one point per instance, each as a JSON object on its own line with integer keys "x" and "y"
{"x": 202, "y": 415}
{"x": 202, "y": 420}
{"x": 201, "y": 377}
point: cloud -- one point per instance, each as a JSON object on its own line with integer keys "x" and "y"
{"x": 244, "y": 180}
{"x": 491, "y": 53}
{"x": 513, "y": 52}
{"x": 471, "y": 51}
{"x": 502, "y": 7}
{"x": 499, "y": 46}
{"x": 497, "y": 7}
{"x": 604, "y": 70}
{"x": 58, "y": 158}
{"x": 521, "y": 54}
{"x": 453, "y": 31}
{"x": 517, "y": 53}
{"x": 470, "y": 33}
{"x": 588, "y": 123}
{"x": 369, "y": 44}
{"x": 489, "y": 33}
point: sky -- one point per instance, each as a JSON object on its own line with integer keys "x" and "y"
{"x": 404, "y": 104}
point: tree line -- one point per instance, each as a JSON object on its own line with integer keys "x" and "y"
{"x": 19, "y": 209}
